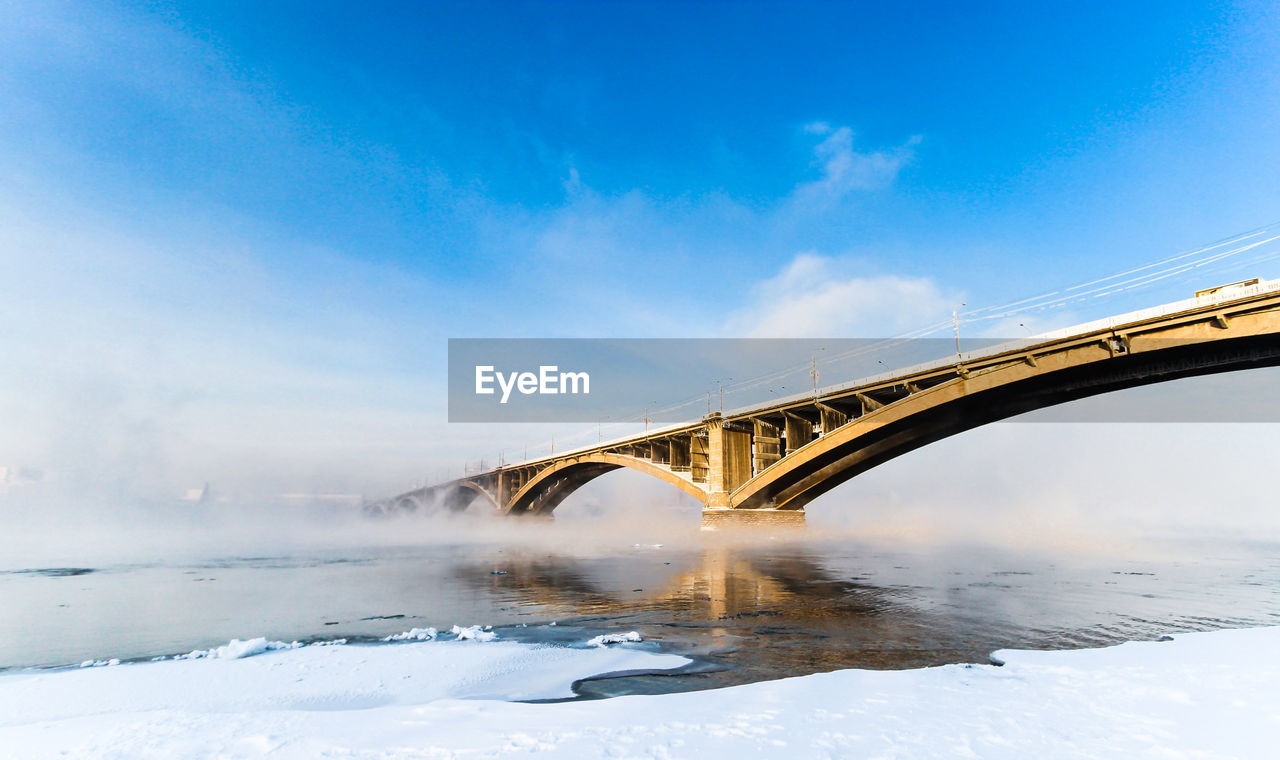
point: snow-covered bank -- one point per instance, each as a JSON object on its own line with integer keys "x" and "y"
{"x": 1201, "y": 695}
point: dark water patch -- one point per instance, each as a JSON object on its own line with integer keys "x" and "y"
{"x": 52, "y": 572}
{"x": 232, "y": 563}
{"x": 632, "y": 682}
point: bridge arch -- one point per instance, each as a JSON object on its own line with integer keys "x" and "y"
{"x": 456, "y": 496}
{"x": 408, "y": 503}
{"x": 464, "y": 493}
{"x": 964, "y": 403}
{"x": 551, "y": 486}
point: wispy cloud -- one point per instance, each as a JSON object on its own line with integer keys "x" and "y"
{"x": 671, "y": 264}
{"x": 844, "y": 169}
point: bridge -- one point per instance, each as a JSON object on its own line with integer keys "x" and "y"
{"x": 765, "y": 463}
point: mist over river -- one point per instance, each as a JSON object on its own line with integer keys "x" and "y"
{"x": 746, "y": 607}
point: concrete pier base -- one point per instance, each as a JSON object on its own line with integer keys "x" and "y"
{"x": 733, "y": 519}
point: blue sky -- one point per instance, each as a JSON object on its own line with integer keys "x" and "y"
{"x": 241, "y": 233}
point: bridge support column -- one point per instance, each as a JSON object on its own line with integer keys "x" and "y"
{"x": 728, "y": 466}
{"x": 728, "y": 460}
{"x": 717, "y": 492}
{"x": 735, "y": 519}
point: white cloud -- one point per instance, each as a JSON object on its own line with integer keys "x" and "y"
{"x": 817, "y": 296}
{"x": 844, "y": 170}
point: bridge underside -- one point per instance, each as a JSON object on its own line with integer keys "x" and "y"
{"x": 777, "y": 459}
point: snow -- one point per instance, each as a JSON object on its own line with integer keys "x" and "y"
{"x": 474, "y": 633}
{"x": 1203, "y": 695}
{"x": 614, "y": 638}
{"x": 414, "y": 634}
{"x": 237, "y": 649}
{"x": 461, "y": 633}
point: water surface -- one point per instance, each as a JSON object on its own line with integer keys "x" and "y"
{"x": 748, "y": 610}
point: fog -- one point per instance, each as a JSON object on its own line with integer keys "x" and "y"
{"x": 1113, "y": 489}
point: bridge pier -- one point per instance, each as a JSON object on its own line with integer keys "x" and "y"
{"x": 733, "y": 519}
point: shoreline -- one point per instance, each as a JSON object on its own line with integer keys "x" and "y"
{"x": 1209, "y": 691}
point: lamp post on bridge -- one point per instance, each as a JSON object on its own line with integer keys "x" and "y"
{"x": 955, "y": 321}
{"x": 720, "y": 385}
{"x": 813, "y": 370}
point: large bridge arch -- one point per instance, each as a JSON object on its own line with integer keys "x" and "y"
{"x": 1001, "y": 392}
{"x": 552, "y": 485}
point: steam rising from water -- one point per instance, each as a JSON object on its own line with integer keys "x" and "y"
{"x": 960, "y": 494}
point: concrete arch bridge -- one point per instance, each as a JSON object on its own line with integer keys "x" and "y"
{"x": 768, "y": 462}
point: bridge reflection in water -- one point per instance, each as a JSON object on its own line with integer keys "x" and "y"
{"x": 772, "y": 609}
{"x": 733, "y": 603}
{"x": 768, "y": 462}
